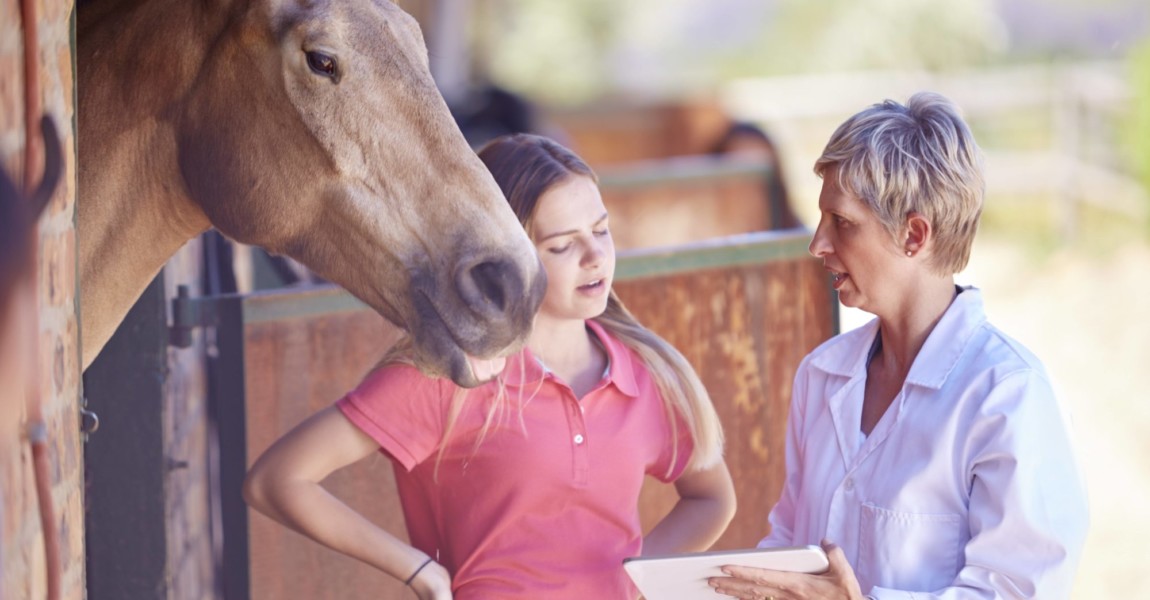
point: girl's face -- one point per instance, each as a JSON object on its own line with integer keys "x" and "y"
{"x": 867, "y": 265}
{"x": 571, "y": 235}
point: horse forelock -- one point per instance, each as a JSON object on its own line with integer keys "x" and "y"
{"x": 288, "y": 16}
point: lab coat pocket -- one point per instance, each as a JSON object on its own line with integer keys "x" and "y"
{"x": 918, "y": 552}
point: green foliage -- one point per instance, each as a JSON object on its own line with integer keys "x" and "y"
{"x": 568, "y": 51}
{"x": 554, "y": 50}
{"x": 1138, "y": 131}
{"x": 838, "y": 35}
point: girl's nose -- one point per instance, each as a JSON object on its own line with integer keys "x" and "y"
{"x": 594, "y": 254}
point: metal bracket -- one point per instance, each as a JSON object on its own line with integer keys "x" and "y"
{"x": 89, "y": 420}
{"x": 188, "y": 313}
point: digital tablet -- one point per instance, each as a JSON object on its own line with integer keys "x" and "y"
{"x": 684, "y": 576}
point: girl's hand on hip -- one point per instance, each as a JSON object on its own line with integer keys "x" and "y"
{"x": 433, "y": 582}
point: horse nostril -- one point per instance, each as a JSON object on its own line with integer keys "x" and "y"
{"x": 493, "y": 280}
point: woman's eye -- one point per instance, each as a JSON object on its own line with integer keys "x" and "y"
{"x": 602, "y": 232}
{"x": 559, "y": 249}
{"x": 839, "y": 220}
{"x": 322, "y": 64}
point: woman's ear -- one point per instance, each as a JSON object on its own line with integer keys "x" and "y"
{"x": 918, "y": 233}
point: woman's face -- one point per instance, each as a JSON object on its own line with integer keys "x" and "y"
{"x": 855, "y": 247}
{"x": 570, "y": 232}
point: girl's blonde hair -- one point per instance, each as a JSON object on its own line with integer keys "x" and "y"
{"x": 525, "y": 166}
{"x": 682, "y": 391}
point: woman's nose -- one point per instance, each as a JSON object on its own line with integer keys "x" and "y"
{"x": 819, "y": 245}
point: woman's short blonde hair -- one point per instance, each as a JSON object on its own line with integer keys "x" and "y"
{"x": 919, "y": 158}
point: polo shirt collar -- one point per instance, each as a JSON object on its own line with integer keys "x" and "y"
{"x": 620, "y": 365}
{"x": 524, "y": 369}
{"x": 938, "y": 356}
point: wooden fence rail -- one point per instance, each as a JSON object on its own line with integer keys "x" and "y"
{"x": 686, "y": 199}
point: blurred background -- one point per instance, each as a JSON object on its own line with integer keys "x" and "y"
{"x": 1057, "y": 91}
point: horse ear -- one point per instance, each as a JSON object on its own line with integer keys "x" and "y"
{"x": 53, "y": 165}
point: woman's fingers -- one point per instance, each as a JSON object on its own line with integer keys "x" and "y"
{"x": 840, "y": 575}
{"x": 752, "y": 583}
{"x": 837, "y": 559}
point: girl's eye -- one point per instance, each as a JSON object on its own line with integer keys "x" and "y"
{"x": 602, "y": 232}
{"x": 839, "y": 220}
{"x": 559, "y": 249}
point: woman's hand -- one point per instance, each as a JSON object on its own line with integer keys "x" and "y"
{"x": 751, "y": 583}
{"x": 433, "y": 582}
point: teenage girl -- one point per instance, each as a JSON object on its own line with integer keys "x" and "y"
{"x": 528, "y": 485}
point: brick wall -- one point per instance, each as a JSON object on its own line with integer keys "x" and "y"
{"x": 59, "y": 375}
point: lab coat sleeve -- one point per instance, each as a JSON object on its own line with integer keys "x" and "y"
{"x": 1027, "y": 514}
{"x": 783, "y": 514}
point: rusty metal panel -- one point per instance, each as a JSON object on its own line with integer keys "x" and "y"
{"x": 621, "y": 132}
{"x": 686, "y": 199}
{"x": 745, "y": 329}
{"x": 295, "y": 366}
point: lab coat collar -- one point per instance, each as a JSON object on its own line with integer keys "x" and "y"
{"x": 846, "y": 356}
{"x": 936, "y": 359}
{"x": 944, "y": 345}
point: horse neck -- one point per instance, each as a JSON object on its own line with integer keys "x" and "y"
{"x": 121, "y": 251}
{"x": 133, "y": 210}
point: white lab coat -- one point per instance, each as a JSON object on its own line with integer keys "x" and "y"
{"x": 966, "y": 488}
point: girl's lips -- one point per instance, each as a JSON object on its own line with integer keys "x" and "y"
{"x": 837, "y": 279}
{"x": 593, "y": 288}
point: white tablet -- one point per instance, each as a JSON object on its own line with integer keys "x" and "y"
{"x": 684, "y": 576}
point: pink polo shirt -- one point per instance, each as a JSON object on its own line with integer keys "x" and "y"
{"x": 546, "y": 506}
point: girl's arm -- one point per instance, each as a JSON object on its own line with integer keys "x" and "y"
{"x": 705, "y": 508}
{"x": 284, "y": 484}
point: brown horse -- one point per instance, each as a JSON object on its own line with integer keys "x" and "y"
{"x": 311, "y": 128}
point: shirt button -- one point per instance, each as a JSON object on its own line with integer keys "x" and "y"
{"x": 849, "y": 485}
{"x": 579, "y": 438}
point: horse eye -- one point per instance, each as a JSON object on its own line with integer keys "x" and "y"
{"x": 321, "y": 64}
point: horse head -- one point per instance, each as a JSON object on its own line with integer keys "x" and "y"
{"x": 314, "y": 129}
